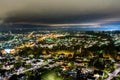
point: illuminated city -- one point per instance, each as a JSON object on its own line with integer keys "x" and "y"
{"x": 77, "y": 54}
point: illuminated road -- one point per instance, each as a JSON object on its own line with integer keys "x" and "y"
{"x": 114, "y": 73}
{"x": 27, "y": 70}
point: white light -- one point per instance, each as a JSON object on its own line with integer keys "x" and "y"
{"x": 8, "y": 50}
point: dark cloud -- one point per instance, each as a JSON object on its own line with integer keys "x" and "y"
{"x": 56, "y": 19}
{"x": 58, "y": 11}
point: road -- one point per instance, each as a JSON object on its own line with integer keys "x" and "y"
{"x": 114, "y": 73}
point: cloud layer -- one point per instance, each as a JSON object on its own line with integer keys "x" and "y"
{"x": 58, "y": 11}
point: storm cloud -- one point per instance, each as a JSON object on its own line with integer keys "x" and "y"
{"x": 58, "y": 11}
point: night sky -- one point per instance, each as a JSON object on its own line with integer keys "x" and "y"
{"x": 60, "y": 12}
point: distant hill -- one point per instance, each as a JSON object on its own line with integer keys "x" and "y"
{"x": 20, "y": 27}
